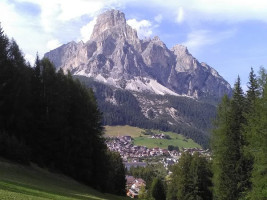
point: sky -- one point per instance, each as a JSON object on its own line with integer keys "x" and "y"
{"x": 228, "y": 35}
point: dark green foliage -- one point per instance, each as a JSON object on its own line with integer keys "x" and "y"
{"x": 171, "y": 148}
{"x": 256, "y": 146}
{"x": 147, "y": 173}
{"x": 116, "y": 177}
{"x": 158, "y": 190}
{"x": 3, "y": 46}
{"x": 13, "y": 149}
{"x": 239, "y": 142}
{"x": 51, "y": 119}
{"x": 229, "y": 162}
{"x": 262, "y": 79}
{"x": 191, "y": 179}
{"x": 253, "y": 89}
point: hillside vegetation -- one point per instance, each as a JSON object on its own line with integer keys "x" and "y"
{"x": 121, "y": 107}
{"x": 30, "y": 182}
{"x": 146, "y": 140}
{"x": 48, "y": 118}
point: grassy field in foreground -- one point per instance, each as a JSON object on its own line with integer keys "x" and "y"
{"x": 19, "y": 182}
{"x": 144, "y": 140}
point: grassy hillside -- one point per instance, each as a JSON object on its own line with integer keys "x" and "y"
{"x": 144, "y": 140}
{"x": 19, "y": 182}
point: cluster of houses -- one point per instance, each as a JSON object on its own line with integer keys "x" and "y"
{"x": 202, "y": 152}
{"x": 134, "y": 186}
{"x": 128, "y": 151}
{"x": 160, "y": 136}
{"x": 124, "y": 146}
{"x": 132, "y": 154}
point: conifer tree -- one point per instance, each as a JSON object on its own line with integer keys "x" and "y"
{"x": 190, "y": 179}
{"x": 3, "y": 47}
{"x": 262, "y": 79}
{"x": 157, "y": 189}
{"x": 256, "y": 135}
{"x": 227, "y": 145}
{"x": 253, "y": 90}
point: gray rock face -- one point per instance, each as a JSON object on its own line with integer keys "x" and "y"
{"x": 116, "y": 56}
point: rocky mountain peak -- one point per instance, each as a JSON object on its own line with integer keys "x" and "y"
{"x": 180, "y": 50}
{"x": 116, "y": 56}
{"x": 112, "y": 22}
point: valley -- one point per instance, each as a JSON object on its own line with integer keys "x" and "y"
{"x": 140, "y": 139}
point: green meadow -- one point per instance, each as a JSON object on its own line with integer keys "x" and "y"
{"x": 18, "y": 182}
{"x": 146, "y": 140}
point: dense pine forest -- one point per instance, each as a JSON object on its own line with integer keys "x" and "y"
{"x": 51, "y": 119}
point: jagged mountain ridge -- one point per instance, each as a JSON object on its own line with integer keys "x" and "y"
{"x": 116, "y": 56}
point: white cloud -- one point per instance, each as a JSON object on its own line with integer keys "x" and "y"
{"x": 143, "y": 27}
{"x": 200, "y": 38}
{"x": 87, "y": 30}
{"x": 52, "y": 44}
{"x": 30, "y": 58}
{"x": 219, "y": 10}
{"x": 54, "y": 12}
{"x": 34, "y": 33}
{"x": 180, "y": 15}
{"x": 74, "y": 9}
{"x": 158, "y": 18}
{"x": 23, "y": 28}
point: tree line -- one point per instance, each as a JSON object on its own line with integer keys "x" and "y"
{"x": 51, "y": 119}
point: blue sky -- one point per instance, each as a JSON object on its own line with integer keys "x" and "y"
{"x": 229, "y": 35}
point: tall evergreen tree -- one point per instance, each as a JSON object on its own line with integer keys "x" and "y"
{"x": 116, "y": 174}
{"x": 262, "y": 78}
{"x": 201, "y": 175}
{"x": 256, "y": 135}
{"x": 253, "y": 90}
{"x": 220, "y": 150}
{"x": 3, "y": 47}
{"x": 229, "y": 164}
{"x": 190, "y": 179}
{"x": 158, "y": 190}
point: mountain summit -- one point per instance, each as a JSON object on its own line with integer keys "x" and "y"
{"x": 116, "y": 56}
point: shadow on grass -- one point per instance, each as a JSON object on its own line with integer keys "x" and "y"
{"x": 37, "y": 192}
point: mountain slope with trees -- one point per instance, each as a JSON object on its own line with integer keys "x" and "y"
{"x": 191, "y": 118}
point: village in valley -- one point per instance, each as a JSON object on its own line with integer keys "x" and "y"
{"x": 141, "y": 156}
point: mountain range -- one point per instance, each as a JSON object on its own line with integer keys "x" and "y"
{"x": 156, "y": 79}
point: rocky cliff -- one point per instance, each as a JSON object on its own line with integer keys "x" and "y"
{"x": 116, "y": 56}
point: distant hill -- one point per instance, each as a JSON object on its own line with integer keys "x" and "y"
{"x": 18, "y": 182}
